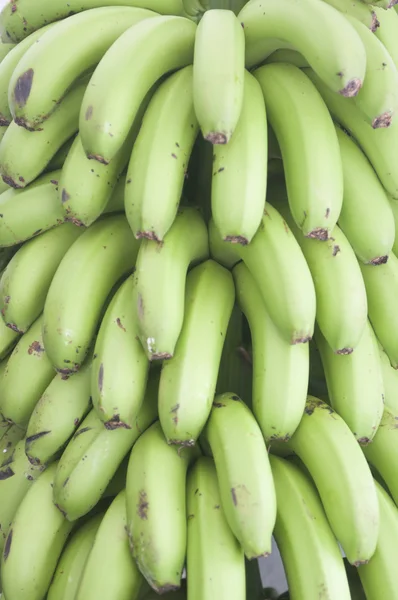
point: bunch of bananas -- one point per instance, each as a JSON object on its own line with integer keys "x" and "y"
{"x": 198, "y": 277}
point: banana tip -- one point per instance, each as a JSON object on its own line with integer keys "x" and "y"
{"x": 216, "y": 137}
{"x": 236, "y": 239}
{"x": 383, "y": 120}
{"x": 379, "y": 260}
{"x": 352, "y": 88}
{"x": 344, "y": 351}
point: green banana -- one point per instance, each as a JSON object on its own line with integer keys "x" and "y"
{"x": 5, "y": 48}
{"x": 247, "y": 494}
{"x": 387, "y": 31}
{"x": 10, "y": 435}
{"x": 310, "y": 554}
{"x": 188, "y": 380}
{"x": 219, "y": 74}
{"x": 239, "y": 180}
{"x": 25, "y": 282}
{"x": 368, "y": 15}
{"x": 93, "y": 264}
{"x": 58, "y": 160}
{"x": 116, "y": 201}
{"x": 160, "y": 156}
{"x": 160, "y": 281}
{"x": 8, "y": 339}
{"x": 93, "y": 456}
{"x": 28, "y": 373}
{"x": 311, "y": 156}
{"x": 215, "y": 559}
{"x": 34, "y": 543}
{"x": 155, "y": 506}
{"x": 390, "y": 381}
{"x": 148, "y": 50}
{"x": 120, "y": 366}
{"x": 280, "y": 370}
{"x": 346, "y": 486}
{"x": 394, "y": 207}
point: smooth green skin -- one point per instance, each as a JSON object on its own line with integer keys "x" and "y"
{"x": 390, "y": 381}
{"x": 188, "y": 380}
{"x": 386, "y": 33}
{"x": 10, "y": 435}
{"x": 37, "y": 543}
{"x": 309, "y": 551}
{"x": 215, "y": 559}
{"x": 147, "y": 51}
{"x": 57, "y": 161}
{"x": 247, "y": 495}
{"x": 359, "y": 10}
{"x": 8, "y": 339}
{"x": 160, "y": 156}
{"x": 156, "y": 508}
{"x": 5, "y": 48}
{"x": 239, "y": 180}
{"x": 110, "y": 571}
{"x": 19, "y": 395}
{"x": 160, "y": 277}
{"x": 219, "y": 74}
{"x": 25, "y": 282}
{"x": 79, "y": 289}
{"x": 346, "y": 487}
{"x": 120, "y": 365}
{"x": 280, "y": 370}
{"x": 394, "y": 207}
{"x": 355, "y": 384}
{"x": 116, "y": 201}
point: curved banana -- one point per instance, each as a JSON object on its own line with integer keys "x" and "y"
{"x": 390, "y": 381}
{"x": 160, "y": 277}
{"x": 311, "y": 156}
{"x": 120, "y": 366}
{"x": 8, "y": 339}
{"x": 387, "y": 31}
{"x": 28, "y": 373}
{"x": 155, "y": 506}
{"x": 218, "y": 74}
{"x": 310, "y": 554}
{"x": 239, "y": 180}
{"x": 147, "y": 51}
{"x": 110, "y": 571}
{"x": 280, "y": 370}
{"x": 366, "y": 217}
{"x": 10, "y": 435}
{"x": 93, "y": 264}
{"x": 247, "y": 494}
{"x": 346, "y": 486}
{"x": 160, "y": 156}
{"x": 33, "y": 545}
{"x": 368, "y": 15}
{"x": 188, "y": 380}
{"x": 215, "y": 559}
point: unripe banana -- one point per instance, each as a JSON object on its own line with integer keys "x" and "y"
{"x": 147, "y": 51}
{"x": 120, "y": 366}
{"x": 366, "y": 14}
{"x": 188, "y": 380}
{"x": 8, "y": 339}
{"x": 28, "y": 373}
{"x": 387, "y": 30}
{"x": 93, "y": 264}
{"x": 310, "y": 554}
{"x": 160, "y": 282}
{"x": 160, "y": 157}
{"x": 280, "y": 369}
{"x": 390, "y": 381}
{"x": 247, "y": 494}
{"x": 218, "y": 74}
{"x": 394, "y": 207}
{"x": 215, "y": 559}
{"x": 10, "y": 435}
{"x": 239, "y": 180}
{"x": 5, "y": 48}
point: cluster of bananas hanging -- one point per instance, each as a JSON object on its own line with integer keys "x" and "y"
{"x": 198, "y": 285}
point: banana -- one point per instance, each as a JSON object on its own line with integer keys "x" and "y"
{"x": 120, "y": 366}
{"x": 247, "y": 494}
{"x": 280, "y": 370}
{"x": 160, "y": 156}
{"x": 311, "y": 156}
{"x": 386, "y": 32}
{"x": 366, "y": 217}
{"x": 57, "y": 415}
{"x": 310, "y": 554}
{"x": 110, "y": 571}
{"x": 93, "y": 456}
{"x": 155, "y": 506}
{"x": 116, "y": 201}
{"x": 188, "y": 380}
{"x": 239, "y": 180}
{"x": 160, "y": 281}
{"x": 366, "y": 14}
{"x": 381, "y": 288}
{"x": 355, "y": 384}
{"x": 8, "y": 339}
{"x": 147, "y": 51}
{"x": 215, "y": 559}
{"x": 5, "y": 48}
{"x": 390, "y": 381}
{"x": 318, "y": 31}
{"x": 93, "y": 264}
{"x": 26, "y": 280}
{"x": 219, "y": 74}
{"x": 82, "y": 40}
{"x": 10, "y": 435}
{"x": 346, "y": 486}
{"x": 58, "y": 160}
{"x": 24, "y": 154}
{"x": 394, "y": 207}
{"x": 28, "y": 373}
{"x": 70, "y": 568}
{"x": 34, "y": 543}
